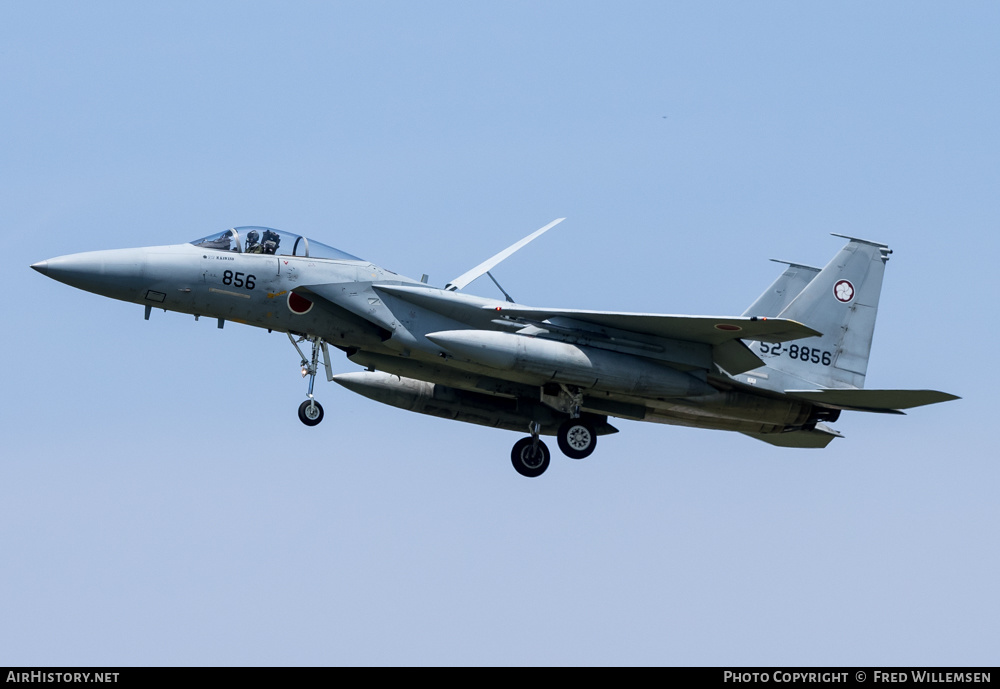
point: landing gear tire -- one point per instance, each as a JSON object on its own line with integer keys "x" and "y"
{"x": 530, "y": 457}
{"x": 310, "y": 412}
{"x": 576, "y": 439}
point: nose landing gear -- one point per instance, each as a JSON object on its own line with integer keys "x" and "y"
{"x": 310, "y": 411}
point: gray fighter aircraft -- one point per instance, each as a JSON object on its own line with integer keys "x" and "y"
{"x": 780, "y": 372}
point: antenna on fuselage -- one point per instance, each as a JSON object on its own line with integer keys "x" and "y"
{"x": 490, "y": 275}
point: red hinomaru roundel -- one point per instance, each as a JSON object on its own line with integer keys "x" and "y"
{"x": 299, "y": 304}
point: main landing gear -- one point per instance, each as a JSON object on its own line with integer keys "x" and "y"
{"x": 311, "y": 411}
{"x": 530, "y": 457}
{"x": 576, "y": 439}
{"x": 576, "y": 436}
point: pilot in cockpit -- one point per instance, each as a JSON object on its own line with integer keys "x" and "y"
{"x": 270, "y": 242}
{"x": 253, "y": 245}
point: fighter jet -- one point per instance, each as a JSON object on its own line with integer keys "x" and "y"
{"x": 780, "y": 372}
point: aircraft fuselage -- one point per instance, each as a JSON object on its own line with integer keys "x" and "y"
{"x": 556, "y": 372}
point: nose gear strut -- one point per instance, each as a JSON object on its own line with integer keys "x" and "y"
{"x": 310, "y": 411}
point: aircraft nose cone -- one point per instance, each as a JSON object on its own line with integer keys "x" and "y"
{"x": 117, "y": 273}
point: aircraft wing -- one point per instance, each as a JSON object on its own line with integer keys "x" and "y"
{"x": 612, "y": 330}
{"x": 712, "y": 330}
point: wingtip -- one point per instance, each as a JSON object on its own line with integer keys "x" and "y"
{"x": 815, "y": 333}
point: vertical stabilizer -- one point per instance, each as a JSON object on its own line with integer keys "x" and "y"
{"x": 841, "y": 301}
{"x": 781, "y": 292}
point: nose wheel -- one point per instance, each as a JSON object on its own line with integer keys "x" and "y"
{"x": 311, "y": 411}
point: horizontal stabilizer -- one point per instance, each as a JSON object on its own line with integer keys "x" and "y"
{"x": 817, "y": 437}
{"x": 886, "y": 401}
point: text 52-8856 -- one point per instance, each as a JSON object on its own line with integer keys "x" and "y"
{"x": 813, "y": 354}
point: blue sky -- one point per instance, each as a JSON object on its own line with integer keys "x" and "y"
{"x": 161, "y": 504}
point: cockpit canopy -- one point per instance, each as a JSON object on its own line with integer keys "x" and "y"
{"x": 267, "y": 240}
